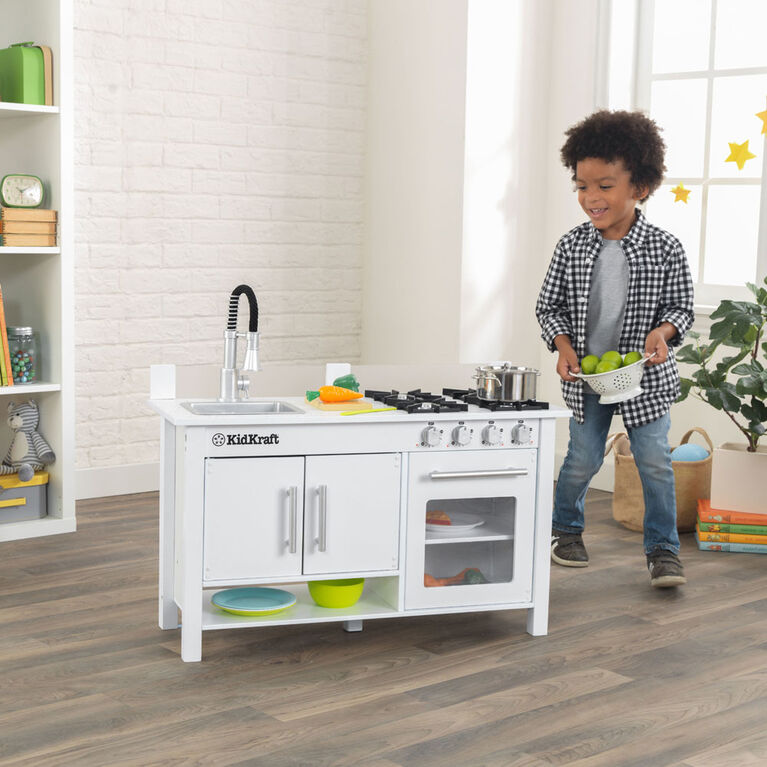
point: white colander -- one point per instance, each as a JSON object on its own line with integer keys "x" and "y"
{"x": 617, "y": 385}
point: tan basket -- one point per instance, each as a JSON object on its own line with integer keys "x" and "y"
{"x": 692, "y": 480}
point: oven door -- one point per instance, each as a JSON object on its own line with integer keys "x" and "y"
{"x": 485, "y": 555}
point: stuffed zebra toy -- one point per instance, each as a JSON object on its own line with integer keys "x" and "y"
{"x": 28, "y": 452}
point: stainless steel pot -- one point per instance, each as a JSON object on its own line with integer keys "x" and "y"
{"x": 506, "y": 383}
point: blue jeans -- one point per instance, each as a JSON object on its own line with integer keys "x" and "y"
{"x": 585, "y": 453}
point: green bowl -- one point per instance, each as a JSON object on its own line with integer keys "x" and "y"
{"x": 343, "y": 593}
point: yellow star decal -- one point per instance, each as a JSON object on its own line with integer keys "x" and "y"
{"x": 680, "y": 193}
{"x": 763, "y": 116}
{"x": 739, "y": 154}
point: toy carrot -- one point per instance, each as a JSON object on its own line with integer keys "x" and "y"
{"x": 337, "y": 394}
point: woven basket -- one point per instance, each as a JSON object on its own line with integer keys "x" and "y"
{"x": 692, "y": 480}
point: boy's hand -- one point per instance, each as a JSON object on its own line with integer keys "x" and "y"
{"x": 656, "y": 343}
{"x": 568, "y": 359}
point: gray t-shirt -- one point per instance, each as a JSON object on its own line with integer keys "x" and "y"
{"x": 607, "y": 299}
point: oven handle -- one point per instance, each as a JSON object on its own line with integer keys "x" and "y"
{"x": 478, "y": 474}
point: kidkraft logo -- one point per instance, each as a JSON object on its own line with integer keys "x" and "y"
{"x": 219, "y": 439}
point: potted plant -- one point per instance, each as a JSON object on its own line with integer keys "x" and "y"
{"x": 737, "y": 385}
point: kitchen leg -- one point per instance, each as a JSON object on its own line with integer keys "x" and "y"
{"x": 193, "y": 482}
{"x": 168, "y": 612}
{"x": 352, "y": 626}
{"x": 538, "y": 614}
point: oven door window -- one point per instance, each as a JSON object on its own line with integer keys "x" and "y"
{"x": 469, "y": 541}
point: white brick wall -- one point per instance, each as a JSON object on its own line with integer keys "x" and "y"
{"x": 217, "y": 142}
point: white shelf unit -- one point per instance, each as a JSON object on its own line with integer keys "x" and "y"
{"x": 38, "y": 283}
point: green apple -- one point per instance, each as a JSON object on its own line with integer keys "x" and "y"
{"x": 612, "y": 357}
{"x": 589, "y": 364}
{"x": 632, "y": 357}
{"x": 607, "y": 366}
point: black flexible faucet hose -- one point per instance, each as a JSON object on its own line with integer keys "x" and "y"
{"x": 231, "y": 323}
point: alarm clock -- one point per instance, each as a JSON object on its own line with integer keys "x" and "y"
{"x": 18, "y": 190}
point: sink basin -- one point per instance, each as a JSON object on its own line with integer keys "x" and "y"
{"x": 246, "y": 407}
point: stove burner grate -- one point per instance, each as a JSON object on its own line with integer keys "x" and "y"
{"x": 416, "y": 401}
{"x": 469, "y": 396}
{"x": 450, "y": 401}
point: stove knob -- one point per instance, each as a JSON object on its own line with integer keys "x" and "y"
{"x": 430, "y": 436}
{"x": 491, "y": 435}
{"x": 520, "y": 434}
{"x": 461, "y": 435}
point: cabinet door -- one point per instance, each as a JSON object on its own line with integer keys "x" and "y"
{"x": 351, "y": 518}
{"x": 253, "y": 512}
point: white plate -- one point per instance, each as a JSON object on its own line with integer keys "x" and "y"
{"x": 462, "y": 523}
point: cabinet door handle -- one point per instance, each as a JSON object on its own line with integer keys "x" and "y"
{"x": 322, "y": 539}
{"x": 476, "y": 474}
{"x": 292, "y": 518}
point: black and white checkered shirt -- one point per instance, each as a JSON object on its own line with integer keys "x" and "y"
{"x": 659, "y": 290}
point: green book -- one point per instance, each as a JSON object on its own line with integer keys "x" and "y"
{"x": 726, "y": 527}
{"x": 22, "y": 74}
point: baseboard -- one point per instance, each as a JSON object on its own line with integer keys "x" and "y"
{"x": 604, "y": 478}
{"x": 116, "y": 480}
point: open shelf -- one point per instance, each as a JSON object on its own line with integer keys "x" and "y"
{"x": 22, "y": 390}
{"x": 30, "y": 251}
{"x": 34, "y": 528}
{"x": 11, "y": 109}
{"x": 370, "y": 605}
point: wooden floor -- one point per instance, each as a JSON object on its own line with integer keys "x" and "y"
{"x": 627, "y": 676}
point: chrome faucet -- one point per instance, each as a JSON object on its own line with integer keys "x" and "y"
{"x": 233, "y": 385}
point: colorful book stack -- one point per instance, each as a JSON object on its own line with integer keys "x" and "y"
{"x": 27, "y": 227}
{"x": 6, "y": 376}
{"x": 721, "y": 530}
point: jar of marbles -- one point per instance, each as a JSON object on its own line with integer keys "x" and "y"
{"x": 23, "y": 350}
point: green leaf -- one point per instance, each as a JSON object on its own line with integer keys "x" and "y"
{"x": 693, "y": 334}
{"x": 749, "y": 385}
{"x": 685, "y": 385}
{"x": 756, "y": 412}
{"x": 748, "y": 369}
{"x": 730, "y": 399}
{"x": 714, "y": 398}
{"x": 689, "y": 354}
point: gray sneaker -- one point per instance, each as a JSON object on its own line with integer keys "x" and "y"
{"x": 665, "y": 569}
{"x": 567, "y": 549}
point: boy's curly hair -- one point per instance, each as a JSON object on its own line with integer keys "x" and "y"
{"x": 628, "y": 136}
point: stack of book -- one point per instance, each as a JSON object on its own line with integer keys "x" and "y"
{"x": 27, "y": 227}
{"x": 721, "y": 530}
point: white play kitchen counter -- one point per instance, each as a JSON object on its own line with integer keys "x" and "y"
{"x": 284, "y": 498}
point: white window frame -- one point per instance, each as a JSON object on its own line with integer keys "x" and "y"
{"x": 635, "y": 41}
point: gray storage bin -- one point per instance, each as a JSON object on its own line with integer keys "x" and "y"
{"x": 20, "y": 501}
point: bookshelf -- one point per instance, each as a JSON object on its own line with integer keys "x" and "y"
{"x": 38, "y": 282}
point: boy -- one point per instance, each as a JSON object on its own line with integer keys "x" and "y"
{"x": 617, "y": 283}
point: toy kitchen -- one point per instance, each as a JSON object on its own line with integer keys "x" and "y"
{"x": 433, "y": 503}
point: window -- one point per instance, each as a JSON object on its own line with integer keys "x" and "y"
{"x": 699, "y": 69}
